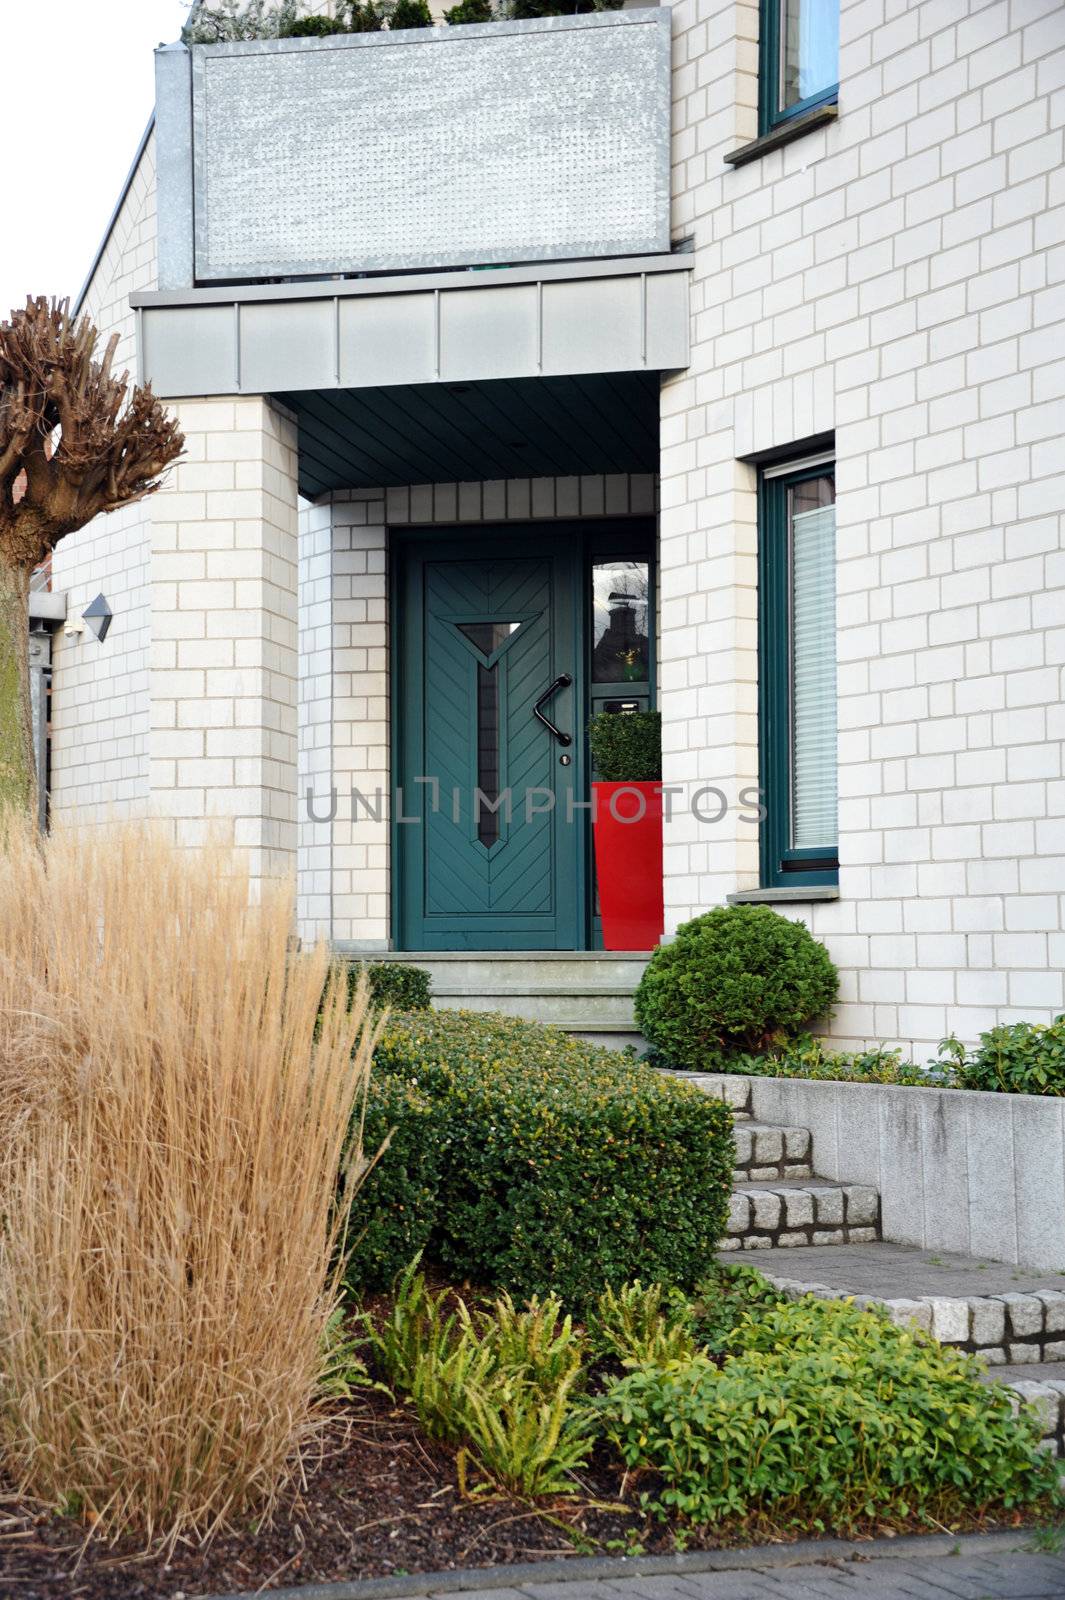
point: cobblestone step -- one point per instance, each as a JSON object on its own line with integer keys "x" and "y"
{"x": 766, "y": 1151}
{"x": 789, "y": 1215}
{"x": 1009, "y": 1315}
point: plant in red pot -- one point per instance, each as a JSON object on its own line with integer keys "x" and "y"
{"x": 627, "y": 826}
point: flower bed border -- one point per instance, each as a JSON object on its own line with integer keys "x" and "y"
{"x": 585, "y": 1569}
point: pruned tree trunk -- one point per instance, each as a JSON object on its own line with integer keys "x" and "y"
{"x": 18, "y": 767}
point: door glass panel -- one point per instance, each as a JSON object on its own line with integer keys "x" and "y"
{"x": 488, "y": 636}
{"x": 809, "y": 49}
{"x": 620, "y": 652}
{"x": 812, "y": 531}
{"x": 487, "y": 752}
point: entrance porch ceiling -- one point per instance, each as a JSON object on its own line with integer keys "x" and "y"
{"x": 504, "y": 428}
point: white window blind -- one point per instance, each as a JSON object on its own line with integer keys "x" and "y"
{"x": 814, "y": 803}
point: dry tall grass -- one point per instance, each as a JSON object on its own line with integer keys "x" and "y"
{"x": 171, "y": 1132}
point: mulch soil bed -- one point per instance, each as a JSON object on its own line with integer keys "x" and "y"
{"x": 382, "y": 1501}
{"x": 379, "y": 1499}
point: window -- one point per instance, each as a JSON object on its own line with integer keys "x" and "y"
{"x": 797, "y": 674}
{"x": 799, "y": 58}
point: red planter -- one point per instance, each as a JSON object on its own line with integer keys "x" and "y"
{"x": 628, "y": 863}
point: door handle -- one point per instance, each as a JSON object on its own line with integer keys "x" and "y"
{"x": 563, "y": 681}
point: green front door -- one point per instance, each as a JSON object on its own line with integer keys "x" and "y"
{"x": 488, "y": 836}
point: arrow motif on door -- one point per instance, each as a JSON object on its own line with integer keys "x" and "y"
{"x": 489, "y": 641}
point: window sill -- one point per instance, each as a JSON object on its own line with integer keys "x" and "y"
{"x": 797, "y": 896}
{"x": 783, "y": 134}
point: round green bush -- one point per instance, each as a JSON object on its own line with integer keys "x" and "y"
{"x": 738, "y": 981}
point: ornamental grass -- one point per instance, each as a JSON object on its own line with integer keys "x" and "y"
{"x": 176, "y": 1098}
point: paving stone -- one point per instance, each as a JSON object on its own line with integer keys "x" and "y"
{"x": 821, "y": 1237}
{"x": 744, "y": 1142}
{"x": 902, "y": 1312}
{"x": 797, "y": 1144}
{"x": 950, "y": 1321}
{"x": 863, "y": 1235}
{"x": 1023, "y": 1354}
{"x": 1054, "y": 1315}
{"x": 800, "y": 1170}
{"x": 739, "y": 1213}
{"x": 828, "y": 1204}
{"x": 768, "y": 1146}
{"x": 725, "y": 1245}
{"x": 765, "y": 1209}
{"x": 1042, "y": 1400}
{"x": 1025, "y": 1313}
{"x": 1054, "y": 1350}
{"x": 863, "y": 1206}
{"x": 753, "y": 1241}
{"x": 988, "y": 1321}
{"x": 762, "y": 1174}
{"x": 798, "y": 1208}
{"x": 791, "y": 1241}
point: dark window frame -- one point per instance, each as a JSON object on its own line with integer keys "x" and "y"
{"x": 770, "y": 117}
{"x": 782, "y": 865}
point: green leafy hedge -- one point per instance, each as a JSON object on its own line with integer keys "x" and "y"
{"x": 562, "y": 1167}
{"x": 627, "y": 746}
{"x": 735, "y": 982}
{"x": 824, "y": 1411}
{"x": 1017, "y": 1058}
{"x": 395, "y": 1207}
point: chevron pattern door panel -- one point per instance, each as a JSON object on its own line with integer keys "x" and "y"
{"x": 490, "y": 859}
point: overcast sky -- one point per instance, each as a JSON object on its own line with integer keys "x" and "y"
{"x": 78, "y": 90}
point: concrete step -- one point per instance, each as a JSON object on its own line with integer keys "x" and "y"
{"x": 766, "y": 1151}
{"x": 474, "y": 969}
{"x": 599, "y": 1003}
{"x": 787, "y": 1215}
{"x": 588, "y": 993}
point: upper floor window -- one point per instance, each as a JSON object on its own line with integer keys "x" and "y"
{"x": 799, "y": 58}
{"x": 797, "y": 673}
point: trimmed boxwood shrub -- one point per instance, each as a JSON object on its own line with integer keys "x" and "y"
{"x": 627, "y": 746}
{"x": 410, "y": 14}
{"x": 1016, "y": 1058}
{"x": 395, "y": 1208}
{"x": 738, "y": 981}
{"x": 393, "y": 984}
{"x": 562, "y": 1167}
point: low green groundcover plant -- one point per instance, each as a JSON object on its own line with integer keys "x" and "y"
{"x": 810, "y": 1059}
{"x": 733, "y": 1404}
{"x": 739, "y": 981}
{"x": 824, "y": 1413}
{"x": 1017, "y": 1058}
{"x": 561, "y": 1167}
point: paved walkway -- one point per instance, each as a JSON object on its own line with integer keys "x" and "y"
{"x": 988, "y": 1567}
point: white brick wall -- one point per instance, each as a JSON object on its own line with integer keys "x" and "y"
{"x": 898, "y": 277}
{"x": 100, "y": 691}
{"x": 223, "y": 675}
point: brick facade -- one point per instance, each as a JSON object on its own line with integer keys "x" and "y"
{"x": 895, "y": 279}
{"x": 898, "y": 278}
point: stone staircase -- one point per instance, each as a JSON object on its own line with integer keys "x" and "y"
{"x": 822, "y": 1238}
{"x": 587, "y": 993}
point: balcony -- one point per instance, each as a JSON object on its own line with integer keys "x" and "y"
{"x": 421, "y": 211}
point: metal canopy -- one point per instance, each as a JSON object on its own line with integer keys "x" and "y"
{"x": 627, "y": 315}
{"x": 504, "y": 428}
